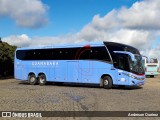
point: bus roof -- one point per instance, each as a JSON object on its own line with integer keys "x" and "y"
{"x": 122, "y": 47}
{"x": 102, "y": 43}
{"x": 64, "y": 45}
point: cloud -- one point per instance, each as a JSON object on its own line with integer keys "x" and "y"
{"x": 137, "y": 26}
{"x": 26, "y": 13}
{"x": 152, "y": 53}
{"x": 142, "y": 15}
{"x": 25, "y": 41}
{"x": 20, "y": 40}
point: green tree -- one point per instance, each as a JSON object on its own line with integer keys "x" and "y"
{"x": 6, "y": 59}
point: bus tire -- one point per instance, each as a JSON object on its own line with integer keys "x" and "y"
{"x": 42, "y": 80}
{"x": 107, "y": 82}
{"x": 32, "y": 79}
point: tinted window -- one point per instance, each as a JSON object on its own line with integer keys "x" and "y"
{"x": 94, "y": 53}
{"x": 47, "y": 54}
{"x": 120, "y": 47}
{"x": 122, "y": 62}
{"x": 111, "y": 46}
{"x": 100, "y": 53}
{"x": 152, "y": 60}
{"x": 21, "y": 54}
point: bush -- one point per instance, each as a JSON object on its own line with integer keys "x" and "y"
{"x": 6, "y": 59}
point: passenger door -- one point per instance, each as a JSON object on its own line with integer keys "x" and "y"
{"x": 122, "y": 69}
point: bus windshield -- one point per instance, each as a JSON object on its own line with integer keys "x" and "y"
{"x": 137, "y": 65}
{"x": 153, "y": 60}
{"x": 124, "y": 62}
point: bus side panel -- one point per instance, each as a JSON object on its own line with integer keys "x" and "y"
{"x": 122, "y": 77}
{"x": 91, "y": 71}
{"x": 73, "y": 71}
{"x": 35, "y": 67}
{"x": 25, "y": 66}
{"x": 43, "y": 67}
{"x": 86, "y": 71}
{"x": 20, "y": 70}
{"x": 60, "y": 71}
{"x": 51, "y": 73}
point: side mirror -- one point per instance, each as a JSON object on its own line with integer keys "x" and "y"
{"x": 132, "y": 57}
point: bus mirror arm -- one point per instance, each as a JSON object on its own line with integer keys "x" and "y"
{"x": 128, "y": 53}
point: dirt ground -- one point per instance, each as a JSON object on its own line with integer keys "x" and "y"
{"x": 20, "y": 96}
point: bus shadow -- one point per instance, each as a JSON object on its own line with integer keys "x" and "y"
{"x": 64, "y": 84}
{"x": 6, "y": 78}
{"x": 24, "y": 83}
{"x": 80, "y": 85}
{"x": 85, "y": 85}
{"x": 127, "y": 87}
{"x": 76, "y": 85}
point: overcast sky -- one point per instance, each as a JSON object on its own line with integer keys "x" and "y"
{"x": 46, "y": 22}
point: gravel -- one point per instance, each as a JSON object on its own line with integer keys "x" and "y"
{"x": 20, "y": 96}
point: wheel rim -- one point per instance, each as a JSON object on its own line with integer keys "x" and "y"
{"x": 32, "y": 79}
{"x": 105, "y": 82}
{"x": 41, "y": 80}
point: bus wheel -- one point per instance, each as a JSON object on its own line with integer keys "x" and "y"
{"x": 42, "y": 80}
{"x": 32, "y": 79}
{"x": 107, "y": 82}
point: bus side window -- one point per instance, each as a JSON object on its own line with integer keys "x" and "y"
{"x": 122, "y": 62}
{"x": 85, "y": 55}
{"x": 100, "y": 53}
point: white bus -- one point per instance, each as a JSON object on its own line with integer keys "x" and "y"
{"x": 151, "y": 66}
